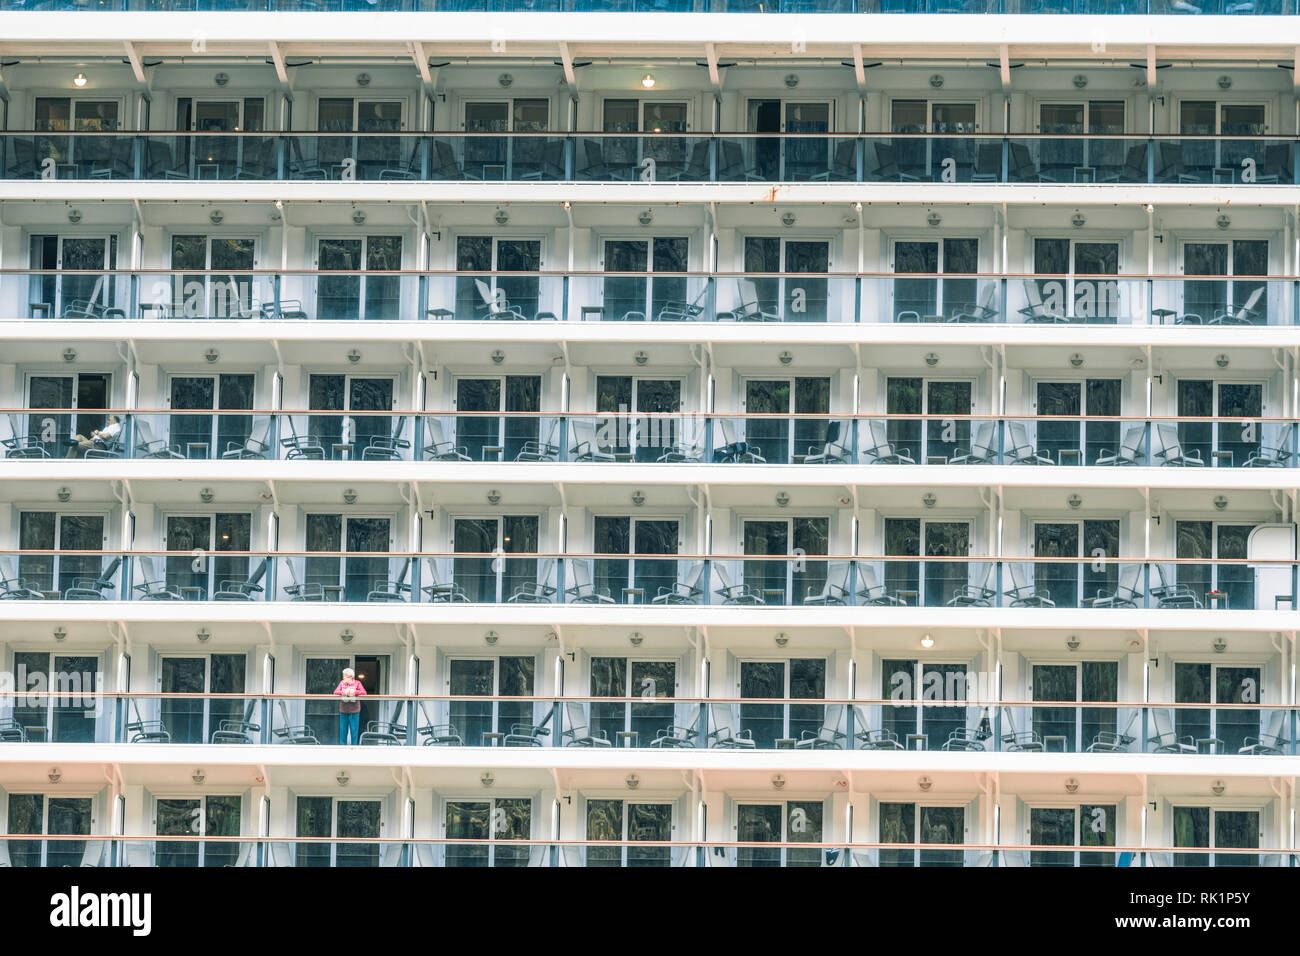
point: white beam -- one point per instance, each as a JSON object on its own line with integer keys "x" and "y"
{"x": 137, "y": 65}
{"x": 566, "y": 60}
{"x": 422, "y": 64}
{"x": 281, "y": 71}
{"x": 1004, "y": 66}
{"x": 711, "y": 56}
{"x": 1151, "y": 66}
{"x": 859, "y": 71}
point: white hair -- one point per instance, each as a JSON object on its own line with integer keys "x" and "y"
{"x": 349, "y": 672}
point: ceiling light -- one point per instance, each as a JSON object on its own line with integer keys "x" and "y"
{"x": 1221, "y": 360}
{"x": 354, "y": 356}
{"x": 349, "y": 496}
{"x": 216, "y": 217}
{"x": 64, "y": 493}
{"x": 1071, "y": 785}
{"x": 645, "y": 217}
{"x": 782, "y": 499}
{"x": 1076, "y": 360}
{"x": 1074, "y": 501}
{"x": 502, "y": 217}
{"x": 782, "y": 639}
{"x": 363, "y": 79}
{"x": 206, "y": 495}
{"x": 632, "y": 781}
{"x": 1225, "y": 82}
{"x": 358, "y": 217}
{"x": 1078, "y": 220}
{"x": 1219, "y": 645}
{"x": 498, "y": 357}
{"x": 487, "y": 779}
{"x": 60, "y": 635}
{"x": 198, "y": 776}
{"x": 342, "y": 778}
{"x": 929, "y": 499}
{"x": 934, "y": 219}
{"x": 1072, "y": 642}
{"x": 1080, "y": 81}
{"x": 785, "y": 358}
{"x": 204, "y": 635}
{"x": 211, "y": 356}
{"x": 924, "y": 783}
{"x": 635, "y": 639}
{"x": 846, "y": 500}
{"x": 927, "y": 642}
{"x": 936, "y": 80}
{"x": 638, "y": 498}
{"x": 788, "y": 218}
{"x": 1223, "y": 221}
{"x": 792, "y": 80}
{"x": 347, "y": 635}
{"x": 931, "y": 359}
{"x": 1220, "y": 502}
{"x": 55, "y": 775}
{"x": 494, "y": 497}
{"x": 491, "y": 637}
{"x": 69, "y": 355}
{"x": 79, "y": 80}
{"x": 640, "y": 358}
{"x": 1217, "y": 788}
{"x": 778, "y": 781}
{"x": 505, "y": 79}
{"x": 648, "y": 81}
{"x": 74, "y": 216}
{"x": 221, "y": 79}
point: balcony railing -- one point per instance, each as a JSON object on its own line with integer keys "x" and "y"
{"x": 805, "y": 297}
{"x": 625, "y": 437}
{"x": 657, "y": 580}
{"x": 945, "y": 717}
{"x": 591, "y": 157}
{"x": 204, "y": 850}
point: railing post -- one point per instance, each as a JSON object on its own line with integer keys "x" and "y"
{"x": 852, "y": 583}
{"x": 711, "y": 297}
{"x": 848, "y": 731}
{"x": 562, "y": 454}
{"x": 281, "y": 157}
{"x": 1006, "y": 159}
{"x": 564, "y": 298}
{"x": 1151, "y": 159}
{"x": 1005, "y": 306}
{"x": 1002, "y": 432}
{"x": 713, "y": 159}
{"x": 556, "y": 717}
{"x": 266, "y": 720}
{"x": 559, "y": 576}
{"x": 424, "y": 158}
{"x": 708, "y": 582}
{"x": 137, "y": 155}
{"x": 859, "y": 155}
{"x": 1145, "y": 738}
{"x": 410, "y": 723}
{"x": 119, "y": 732}
{"x": 275, "y": 293}
{"x": 997, "y": 581}
{"x": 570, "y": 148}
{"x": 857, "y": 300}
{"x": 702, "y": 722}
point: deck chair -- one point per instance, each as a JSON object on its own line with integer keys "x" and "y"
{"x": 1111, "y": 742}
{"x": 409, "y": 170}
{"x": 830, "y": 736}
{"x": 1276, "y": 455}
{"x": 578, "y": 732}
{"x": 965, "y": 739}
{"x": 982, "y": 450}
{"x": 682, "y": 311}
{"x": 832, "y": 451}
{"x": 1020, "y": 165}
{"x": 1245, "y": 314}
{"x": 243, "y": 590}
{"x": 146, "y": 731}
{"x": 93, "y": 854}
{"x": 878, "y": 446}
{"x": 583, "y": 439}
{"x": 738, "y": 452}
{"x": 1277, "y": 166}
{"x": 593, "y": 153}
{"x": 437, "y": 735}
{"x": 539, "y": 591}
{"x": 146, "y": 446}
{"x": 1170, "y": 168}
{"x": 1019, "y": 740}
{"x": 696, "y": 168}
{"x": 112, "y": 448}
{"x": 1036, "y": 311}
{"x": 444, "y": 162}
{"x": 237, "y": 731}
{"x": 137, "y": 853}
{"x": 440, "y": 591}
{"x": 550, "y": 163}
{"x": 1165, "y": 741}
{"x": 291, "y": 733}
{"x": 386, "y": 733}
{"x": 1020, "y": 451}
{"x": 732, "y": 166}
{"x": 979, "y": 592}
{"x": 1023, "y": 591}
{"x": 496, "y": 305}
{"x": 688, "y": 589}
{"x": 12, "y": 732}
{"x": 685, "y": 450}
{"x": 311, "y": 591}
{"x": 988, "y": 163}
{"x": 1134, "y": 169}
{"x": 749, "y": 309}
{"x": 733, "y": 593}
{"x": 844, "y": 164}
{"x": 724, "y": 736}
{"x": 1270, "y": 740}
{"x": 1169, "y": 450}
{"x": 297, "y": 446}
{"x": 583, "y": 591}
{"x": 256, "y": 445}
{"x": 1170, "y": 595}
{"x": 887, "y": 166}
{"x": 92, "y": 589}
{"x": 387, "y": 447}
{"x": 153, "y": 586}
{"x": 18, "y": 444}
{"x": 528, "y": 735}
{"x": 1127, "y": 593}
{"x": 160, "y": 162}
{"x": 439, "y": 449}
{"x": 873, "y": 592}
{"x": 982, "y": 310}
{"x": 676, "y": 737}
{"x": 392, "y": 590}
{"x": 547, "y": 449}
{"x": 869, "y": 739}
{"x": 836, "y": 589}
{"x": 1130, "y": 450}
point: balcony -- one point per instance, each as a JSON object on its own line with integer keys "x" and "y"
{"x": 640, "y": 438}
{"x": 590, "y": 157}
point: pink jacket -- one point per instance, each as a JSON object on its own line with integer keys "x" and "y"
{"x": 349, "y": 704}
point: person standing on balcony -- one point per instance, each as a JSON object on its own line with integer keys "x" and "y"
{"x": 351, "y": 691}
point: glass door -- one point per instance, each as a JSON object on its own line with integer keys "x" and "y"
{"x": 495, "y": 292}
{"x": 76, "y": 282}
{"x": 75, "y": 157}
{"x": 910, "y": 823}
{"x": 1080, "y": 158}
{"x": 796, "y": 821}
{"x": 1223, "y": 443}
{"x": 495, "y": 823}
{"x": 499, "y": 437}
{"x": 192, "y": 720}
{"x": 346, "y": 436}
{"x": 489, "y": 678}
{"x": 628, "y": 822}
{"x": 796, "y": 679}
{"x": 340, "y": 820}
{"x": 87, "y": 393}
{"x": 505, "y": 157}
{"x": 207, "y": 436}
{"x": 218, "y": 286}
{"x": 1073, "y": 729}
{"x": 652, "y": 681}
{"x": 1067, "y": 440}
{"x": 629, "y": 153}
{"x": 1220, "y": 829}
{"x": 67, "y": 717}
{"x": 322, "y": 675}
{"x": 1088, "y": 825}
{"x": 802, "y": 293}
{"x": 37, "y": 814}
{"x": 922, "y": 157}
{"x": 634, "y": 580}
{"x": 929, "y": 727}
{"x": 641, "y": 296}
{"x": 1219, "y": 160}
{"x": 49, "y": 531}
{"x": 940, "y": 438}
{"x": 353, "y": 535}
{"x": 943, "y": 282}
{"x": 198, "y": 572}
{"x": 358, "y": 294}
{"x": 494, "y": 556}
{"x": 1214, "y": 730}
{"x": 197, "y": 816}
{"x": 933, "y": 582}
{"x": 221, "y": 157}
{"x": 790, "y": 158}
{"x": 372, "y": 154}
{"x": 630, "y": 397}
{"x": 1068, "y": 582}
{"x": 789, "y": 581}
{"x": 1063, "y": 268}
{"x": 778, "y": 440}
{"x": 1221, "y": 297}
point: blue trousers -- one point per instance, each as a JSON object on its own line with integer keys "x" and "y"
{"x": 350, "y": 724}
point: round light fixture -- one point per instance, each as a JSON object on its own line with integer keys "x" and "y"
{"x": 648, "y": 81}
{"x": 79, "y": 80}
